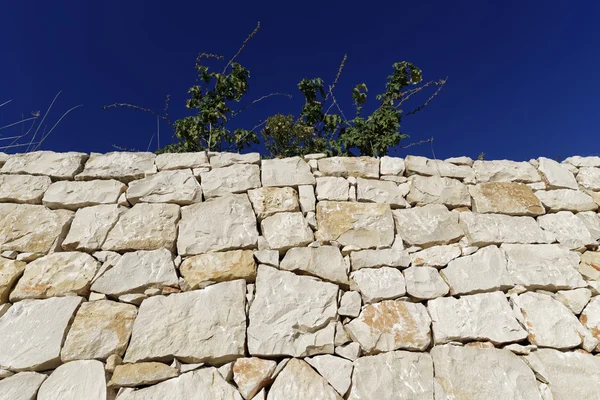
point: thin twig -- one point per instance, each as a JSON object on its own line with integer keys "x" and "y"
{"x": 289, "y": 96}
{"x": 259, "y": 125}
{"x": 17, "y": 123}
{"x": 243, "y": 46}
{"x": 127, "y": 105}
{"x": 45, "y": 115}
{"x": 417, "y": 143}
{"x": 57, "y": 122}
{"x": 150, "y": 142}
{"x": 440, "y": 85}
{"x": 5, "y": 103}
{"x": 337, "y": 77}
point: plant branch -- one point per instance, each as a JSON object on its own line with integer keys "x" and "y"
{"x": 134, "y": 107}
{"x": 420, "y": 142}
{"x": 440, "y": 84}
{"x": 289, "y": 96}
{"x": 250, "y": 36}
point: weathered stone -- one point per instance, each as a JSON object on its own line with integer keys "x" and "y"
{"x": 144, "y": 227}
{"x": 224, "y": 159}
{"x": 207, "y": 325}
{"x": 205, "y": 382}
{"x": 205, "y": 269}
{"x": 350, "y": 351}
{"x": 90, "y": 227}
{"x": 341, "y": 336}
{"x": 32, "y": 332}
{"x": 133, "y": 298}
{"x": 145, "y": 373}
{"x": 436, "y": 256}
{"x": 286, "y": 230}
{"x": 579, "y": 161}
{"x": 223, "y": 223}
{"x": 591, "y": 220}
{"x": 569, "y": 230}
{"x": 460, "y": 160}
{"x": 100, "y": 329}
{"x": 236, "y": 178}
{"x": 391, "y": 325}
{"x": 57, "y": 274}
{"x": 27, "y": 189}
{"x": 22, "y": 386}
{"x": 423, "y": 166}
{"x": 268, "y": 257}
{"x": 589, "y": 266}
{"x": 73, "y": 195}
{"x": 376, "y": 284}
{"x": 332, "y": 188}
{"x": 362, "y": 225}
{"x": 505, "y": 198}
{"x": 543, "y": 266}
{"x": 172, "y": 161}
{"x": 3, "y": 158}
{"x": 575, "y": 300}
{"x": 376, "y": 191}
{"x": 365, "y": 167}
{"x": 54, "y": 165}
{"x": 291, "y": 315}
{"x": 391, "y": 166}
{"x": 424, "y": 283}
{"x": 589, "y": 178}
{"x": 292, "y": 171}
{"x": 438, "y": 190}
{"x": 570, "y": 375}
{"x": 138, "y": 271}
{"x": 590, "y": 318}
{"x": 474, "y": 373}
{"x": 485, "y": 316}
{"x": 252, "y": 374}
{"x": 74, "y": 381}
{"x": 306, "y": 194}
{"x": 485, "y": 229}
{"x": 549, "y": 322}
{"x": 555, "y": 175}
{"x": 10, "y": 272}
{"x": 177, "y": 186}
{"x": 31, "y": 228}
{"x": 270, "y": 200}
{"x": 566, "y": 200}
{"x": 337, "y": 371}
{"x": 484, "y": 271}
{"x": 379, "y": 258}
{"x": 298, "y": 381}
{"x": 122, "y": 166}
{"x": 350, "y": 304}
{"x": 393, "y": 375}
{"x": 427, "y": 226}
{"x": 325, "y": 262}
{"x": 505, "y": 171}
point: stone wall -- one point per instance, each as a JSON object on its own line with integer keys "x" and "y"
{"x": 221, "y": 276}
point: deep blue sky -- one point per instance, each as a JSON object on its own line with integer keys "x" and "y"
{"x": 524, "y": 76}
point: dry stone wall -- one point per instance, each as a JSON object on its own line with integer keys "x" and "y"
{"x": 223, "y": 276}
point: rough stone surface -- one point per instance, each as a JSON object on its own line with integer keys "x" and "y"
{"x": 473, "y": 373}
{"x": 589, "y": 178}
{"x": 575, "y": 300}
{"x": 45, "y": 322}
{"x": 100, "y": 329}
{"x": 569, "y": 230}
{"x": 207, "y": 325}
{"x": 148, "y": 373}
{"x": 391, "y": 165}
{"x": 379, "y": 258}
{"x": 298, "y": 381}
{"x": 223, "y": 223}
{"x": 590, "y": 318}
{"x": 358, "y": 224}
{"x": 74, "y": 381}
{"x": 438, "y": 190}
{"x": 32, "y": 228}
{"x": 391, "y": 325}
{"x": 337, "y": 371}
{"x": 236, "y": 178}
{"x": 75, "y": 195}
{"x": 171, "y": 161}
{"x": 144, "y": 227}
{"x": 291, "y": 315}
{"x": 176, "y": 186}
{"x": 332, "y": 188}
{"x": 90, "y": 227}
{"x": 505, "y": 198}
{"x": 224, "y": 159}
{"x": 350, "y": 304}
{"x": 325, "y": 262}
{"x": 485, "y": 316}
{"x": 138, "y": 271}
{"x": 205, "y": 269}
{"x": 436, "y": 256}
{"x": 291, "y": 171}
{"x": 376, "y": 284}
{"x": 270, "y": 200}
{"x": 555, "y": 175}
{"x": 122, "y": 166}
{"x": 566, "y": 200}
{"x": 375, "y": 191}
{"x": 427, "y": 226}
{"x": 591, "y": 220}
{"x": 27, "y": 189}
{"x": 286, "y": 230}
{"x": 589, "y": 266}
{"x": 424, "y": 166}
{"x": 306, "y": 198}
{"x": 485, "y": 229}
{"x": 424, "y": 283}
{"x": 252, "y": 374}
{"x": 364, "y": 167}
{"x": 54, "y": 165}
{"x": 57, "y": 274}
{"x": 505, "y": 171}
{"x": 21, "y": 386}
{"x": 10, "y": 272}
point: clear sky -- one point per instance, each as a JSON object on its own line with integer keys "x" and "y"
{"x": 523, "y": 76}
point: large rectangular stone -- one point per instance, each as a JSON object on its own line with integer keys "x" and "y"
{"x": 485, "y": 229}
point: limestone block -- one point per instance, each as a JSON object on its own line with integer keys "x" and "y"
{"x": 268, "y": 257}
{"x": 172, "y": 161}
{"x": 589, "y": 178}
{"x": 424, "y": 283}
{"x": 205, "y": 269}
{"x": 589, "y": 266}
{"x": 590, "y": 318}
{"x": 292, "y": 171}
{"x": 505, "y": 198}
{"x": 460, "y": 160}
{"x": 207, "y": 325}
{"x": 427, "y": 226}
{"x": 566, "y": 200}
{"x": 224, "y": 159}
{"x": 591, "y": 220}
{"x": 73, "y": 195}
{"x": 423, "y": 166}
{"x": 391, "y": 325}
{"x": 286, "y": 230}
{"x": 74, "y": 381}
{"x": 505, "y": 171}
{"x": 579, "y": 161}
{"x": 10, "y": 272}
{"x": 555, "y": 175}
{"x": 176, "y": 186}
{"x": 438, "y": 190}
{"x": 484, "y": 316}
{"x": 364, "y": 225}
{"x": 27, "y": 189}
{"x": 569, "y": 230}
{"x": 252, "y": 374}
{"x": 436, "y": 256}
{"x": 291, "y": 315}
{"x": 138, "y": 374}
{"x": 55, "y": 165}
{"x": 91, "y": 226}
{"x": 223, "y": 223}
{"x": 376, "y": 191}
{"x": 32, "y": 332}
{"x": 306, "y": 194}
{"x": 332, "y": 188}
{"x": 364, "y": 167}
{"x": 270, "y": 200}
{"x": 325, "y": 262}
{"x": 21, "y": 386}
{"x": 337, "y": 371}
{"x": 379, "y": 258}
{"x": 122, "y": 166}
{"x": 350, "y": 304}
{"x": 236, "y": 178}
{"x": 575, "y": 300}
{"x": 376, "y": 284}
{"x": 485, "y": 229}
{"x": 392, "y": 166}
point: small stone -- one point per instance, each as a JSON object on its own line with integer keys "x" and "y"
{"x": 27, "y": 189}
{"x": 325, "y": 262}
{"x": 438, "y": 190}
{"x": 364, "y": 167}
{"x": 112, "y": 361}
{"x": 424, "y": 283}
{"x": 21, "y": 386}
{"x": 122, "y": 166}
{"x": 484, "y": 316}
{"x": 337, "y": 371}
{"x": 74, "y": 195}
{"x": 332, "y": 188}
{"x": 341, "y": 336}
{"x": 591, "y": 220}
{"x": 578, "y": 161}
{"x": 423, "y": 166}
{"x": 91, "y": 226}
{"x": 133, "y": 298}
{"x": 589, "y": 178}
{"x": 566, "y": 200}
{"x": 315, "y": 156}
{"x": 376, "y": 284}
{"x": 556, "y": 175}
{"x": 391, "y": 325}
{"x": 252, "y": 374}
{"x": 427, "y": 226}
{"x": 306, "y": 194}
{"x": 376, "y": 191}
{"x": 575, "y": 300}
{"x": 28, "y": 257}
{"x": 298, "y": 381}
{"x": 270, "y": 200}
{"x": 292, "y": 171}
{"x": 519, "y": 349}
{"x": 224, "y": 159}
{"x": 145, "y": 373}
{"x": 177, "y": 187}
{"x": 485, "y": 229}
{"x": 206, "y": 269}
{"x": 590, "y": 318}
{"x": 236, "y": 178}
{"x": 379, "y": 258}
{"x": 268, "y": 257}
{"x": 460, "y": 160}
{"x": 10, "y": 272}
{"x": 55, "y": 165}
{"x": 286, "y": 230}
{"x": 96, "y": 296}
{"x": 505, "y": 198}
{"x": 391, "y": 166}
{"x": 568, "y": 229}
{"x": 505, "y": 171}
{"x": 350, "y": 351}
{"x": 311, "y": 220}
{"x": 350, "y": 304}
{"x": 191, "y": 367}
{"x": 9, "y": 254}
{"x": 589, "y": 266}
{"x": 174, "y": 161}
{"x": 436, "y": 256}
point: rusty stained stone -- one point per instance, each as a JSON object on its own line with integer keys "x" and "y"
{"x": 252, "y": 374}
{"x": 505, "y": 198}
